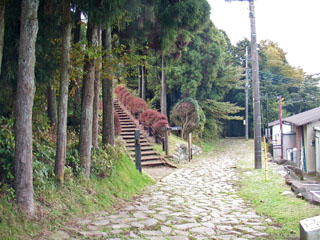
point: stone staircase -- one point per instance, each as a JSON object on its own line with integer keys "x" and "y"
{"x": 128, "y": 124}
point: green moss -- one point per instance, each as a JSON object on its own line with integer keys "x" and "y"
{"x": 57, "y": 205}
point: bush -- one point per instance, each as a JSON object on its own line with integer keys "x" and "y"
{"x": 124, "y": 96}
{"x": 188, "y": 114}
{"x": 103, "y": 160}
{"x": 127, "y": 99}
{"x": 150, "y": 116}
{"x": 158, "y": 127}
{"x": 119, "y": 88}
{"x": 7, "y": 148}
{"x": 137, "y": 105}
{"x": 117, "y": 127}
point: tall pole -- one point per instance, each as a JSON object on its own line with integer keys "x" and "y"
{"x": 281, "y": 128}
{"x": 247, "y": 97}
{"x": 256, "y": 90}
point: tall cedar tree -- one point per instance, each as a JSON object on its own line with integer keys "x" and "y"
{"x": 107, "y": 91}
{"x": 85, "y": 140}
{"x": 2, "y": 21}
{"x": 96, "y": 99}
{"x": 63, "y": 96}
{"x": 24, "y": 103}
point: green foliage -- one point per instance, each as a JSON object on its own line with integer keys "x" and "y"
{"x": 7, "y": 148}
{"x": 103, "y": 160}
{"x": 58, "y": 204}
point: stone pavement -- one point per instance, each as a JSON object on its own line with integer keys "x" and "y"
{"x": 198, "y": 201}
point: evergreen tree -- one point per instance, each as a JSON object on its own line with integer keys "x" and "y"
{"x": 24, "y": 103}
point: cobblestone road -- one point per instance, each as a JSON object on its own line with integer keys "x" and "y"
{"x": 195, "y": 202}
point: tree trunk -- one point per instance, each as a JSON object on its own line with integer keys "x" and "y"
{"x": 143, "y": 83}
{"x": 163, "y": 95}
{"x": 85, "y": 139}
{"x": 2, "y": 20}
{"x": 52, "y": 105}
{"x": 77, "y": 83}
{"x": 24, "y": 102}
{"x": 107, "y": 94}
{"x": 63, "y": 95}
{"x": 96, "y": 99}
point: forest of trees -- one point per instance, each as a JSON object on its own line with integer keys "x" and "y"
{"x": 60, "y": 58}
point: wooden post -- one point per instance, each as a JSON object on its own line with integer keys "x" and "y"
{"x": 190, "y": 146}
{"x": 265, "y": 159}
{"x": 138, "y": 150}
{"x": 166, "y": 141}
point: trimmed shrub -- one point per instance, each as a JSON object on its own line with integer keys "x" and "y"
{"x": 117, "y": 127}
{"x": 137, "y": 105}
{"x": 119, "y": 88}
{"x": 124, "y": 97}
{"x": 121, "y": 93}
{"x": 159, "y": 127}
{"x": 146, "y": 117}
{"x": 188, "y": 114}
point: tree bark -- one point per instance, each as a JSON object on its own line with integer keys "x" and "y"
{"x": 85, "y": 139}
{"x": 52, "y": 105}
{"x": 163, "y": 95}
{"x": 107, "y": 94}
{"x": 143, "y": 82}
{"x": 96, "y": 99}
{"x": 24, "y": 103}
{"x": 2, "y": 22}
{"x": 77, "y": 83}
{"x": 63, "y": 95}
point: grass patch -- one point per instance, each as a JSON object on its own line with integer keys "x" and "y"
{"x": 58, "y": 205}
{"x": 209, "y": 145}
{"x": 265, "y": 197}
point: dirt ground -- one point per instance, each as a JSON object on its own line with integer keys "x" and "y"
{"x": 158, "y": 172}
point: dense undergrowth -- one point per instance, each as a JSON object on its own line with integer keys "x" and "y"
{"x": 113, "y": 176}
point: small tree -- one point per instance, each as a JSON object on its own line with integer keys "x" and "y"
{"x": 186, "y": 114}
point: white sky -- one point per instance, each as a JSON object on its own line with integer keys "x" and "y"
{"x": 293, "y": 24}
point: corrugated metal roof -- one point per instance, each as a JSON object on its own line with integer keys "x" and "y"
{"x": 304, "y": 117}
{"x": 276, "y": 122}
{"x": 300, "y": 118}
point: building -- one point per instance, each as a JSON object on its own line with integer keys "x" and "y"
{"x": 301, "y": 134}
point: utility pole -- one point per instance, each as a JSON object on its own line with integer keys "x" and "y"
{"x": 256, "y": 88}
{"x": 247, "y": 97}
{"x": 281, "y": 127}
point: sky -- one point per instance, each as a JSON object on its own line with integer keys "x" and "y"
{"x": 293, "y": 24}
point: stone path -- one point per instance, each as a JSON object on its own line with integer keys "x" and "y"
{"x": 194, "y": 202}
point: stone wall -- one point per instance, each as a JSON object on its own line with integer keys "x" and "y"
{"x": 181, "y": 152}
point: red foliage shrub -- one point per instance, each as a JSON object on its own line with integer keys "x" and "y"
{"x": 146, "y": 116}
{"x": 117, "y": 127}
{"x": 159, "y": 127}
{"x": 121, "y": 92}
{"x": 124, "y": 97}
{"x": 128, "y": 99}
{"x": 150, "y": 116}
{"x": 119, "y": 88}
{"x": 137, "y": 105}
